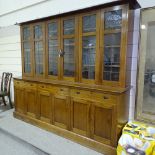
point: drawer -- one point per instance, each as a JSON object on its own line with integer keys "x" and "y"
{"x": 61, "y": 90}
{"x": 30, "y": 85}
{"x": 80, "y": 93}
{"x": 42, "y": 86}
{"x": 19, "y": 83}
{"x": 103, "y": 97}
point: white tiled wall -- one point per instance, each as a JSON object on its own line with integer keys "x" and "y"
{"x": 10, "y": 52}
{"x": 133, "y": 44}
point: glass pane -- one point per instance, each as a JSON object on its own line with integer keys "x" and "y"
{"x": 39, "y": 57}
{"x": 26, "y": 33}
{"x": 27, "y": 57}
{"x": 149, "y": 73}
{"x": 89, "y": 23}
{"x": 53, "y": 57}
{"x": 88, "y": 57}
{"x": 111, "y": 56}
{"x": 53, "y": 29}
{"x": 69, "y": 61}
{"x": 113, "y": 19}
{"x": 69, "y": 26}
{"x": 38, "y": 32}
{"x": 112, "y": 39}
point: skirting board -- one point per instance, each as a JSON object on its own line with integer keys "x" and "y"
{"x": 97, "y": 146}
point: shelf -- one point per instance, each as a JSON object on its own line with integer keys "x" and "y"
{"x": 87, "y": 47}
{"x": 69, "y": 44}
{"x": 66, "y": 29}
{"x": 88, "y": 65}
{"x": 112, "y": 46}
{"x": 111, "y": 65}
{"x": 53, "y": 45}
{"x": 88, "y": 29}
{"x": 52, "y": 31}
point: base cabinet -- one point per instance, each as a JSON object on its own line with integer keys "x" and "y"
{"x": 103, "y": 123}
{"x": 80, "y": 116}
{"x": 61, "y": 111}
{"x": 30, "y": 101}
{"x": 44, "y": 106}
{"x": 90, "y": 114}
{"x": 20, "y": 100}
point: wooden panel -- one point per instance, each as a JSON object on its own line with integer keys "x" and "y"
{"x": 44, "y": 106}
{"x": 80, "y": 93}
{"x": 19, "y": 100}
{"x": 30, "y": 85}
{"x": 62, "y": 90}
{"x": 102, "y": 97}
{"x": 80, "y": 116}
{"x": 102, "y": 116}
{"x": 103, "y": 123}
{"x": 61, "y": 111}
{"x": 30, "y": 101}
{"x": 18, "y": 83}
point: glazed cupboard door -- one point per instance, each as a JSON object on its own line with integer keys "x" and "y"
{"x": 26, "y": 38}
{"x": 39, "y": 49}
{"x": 113, "y": 44}
{"x": 89, "y": 46}
{"x": 53, "y": 48}
{"x": 68, "y": 52}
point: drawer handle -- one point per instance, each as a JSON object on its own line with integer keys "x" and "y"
{"x": 42, "y": 86}
{"x": 77, "y": 92}
{"x": 31, "y": 84}
{"x": 61, "y": 89}
{"x": 105, "y": 97}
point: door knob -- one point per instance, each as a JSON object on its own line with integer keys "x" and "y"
{"x": 61, "y": 53}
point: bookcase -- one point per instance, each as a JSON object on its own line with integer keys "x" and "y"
{"x": 74, "y": 71}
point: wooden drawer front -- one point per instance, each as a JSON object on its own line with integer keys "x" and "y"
{"x": 19, "y": 83}
{"x": 105, "y": 98}
{"x": 61, "y": 90}
{"x": 30, "y": 85}
{"x": 80, "y": 93}
{"x": 42, "y": 86}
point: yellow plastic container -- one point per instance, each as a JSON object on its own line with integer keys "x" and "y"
{"x": 137, "y": 139}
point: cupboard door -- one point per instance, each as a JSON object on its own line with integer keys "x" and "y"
{"x": 103, "y": 124}
{"x": 44, "y": 106}
{"x": 69, "y": 48}
{"x": 39, "y": 50}
{"x": 89, "y": 46}
{"x": 20, "y": 105}
{"x": 53, "y": 46}
{"x": 113, "y": 42}
{"x": 61, "y": 114}
{"x": 30, "y": 101}
{"x": 26, "y": 50}
{"x": 80, "y": 116}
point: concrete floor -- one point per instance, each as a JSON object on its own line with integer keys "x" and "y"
{"x": 10, "y": 145}
{"x": 21, "y": 137}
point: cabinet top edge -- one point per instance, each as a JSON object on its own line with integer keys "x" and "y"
{"x": 110, "y": 89}
{"x": 133, "y": 4}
